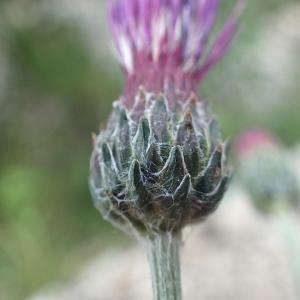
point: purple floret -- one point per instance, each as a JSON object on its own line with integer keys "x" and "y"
{"x": 163, "y": 44}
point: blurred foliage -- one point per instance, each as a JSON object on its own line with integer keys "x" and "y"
{"x": 54, "y": 95}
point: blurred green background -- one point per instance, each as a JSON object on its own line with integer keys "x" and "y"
{"x": 57, "y": 82}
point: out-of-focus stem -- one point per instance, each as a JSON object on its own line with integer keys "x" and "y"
{"x": 163, "y": 255}
{"x": 290, "y": 233}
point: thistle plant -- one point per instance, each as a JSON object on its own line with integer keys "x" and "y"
{"x": 267, "y": 175}
{"x": 160, "y": 162}
{"x": 265, "y": 171}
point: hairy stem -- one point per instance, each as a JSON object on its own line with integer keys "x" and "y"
{"x": 163, "y": 254}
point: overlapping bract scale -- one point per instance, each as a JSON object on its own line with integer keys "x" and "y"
{"x": 159, "y": 172}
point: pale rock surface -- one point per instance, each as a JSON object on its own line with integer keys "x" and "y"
{"x": 238, "y": 254}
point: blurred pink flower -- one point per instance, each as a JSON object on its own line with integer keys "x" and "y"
{"x": 254, "y": 139}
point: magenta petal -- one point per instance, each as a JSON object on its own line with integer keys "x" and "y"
{"x": 162, "y": 42}
{"x": 219, "y": 48}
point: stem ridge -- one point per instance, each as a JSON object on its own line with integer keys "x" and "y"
{"x": 164, "y": 259}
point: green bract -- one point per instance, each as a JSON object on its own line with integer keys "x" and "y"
{"x": 158, "y": 169}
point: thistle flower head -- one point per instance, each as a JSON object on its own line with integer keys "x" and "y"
{"x": 265, "y": 170}
{"x": 159, "y": 164}
{"x": 163, "y": 44}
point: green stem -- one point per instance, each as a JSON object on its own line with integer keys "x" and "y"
{"x": 163, "y": 254}
{"x": 290, "y": 233}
